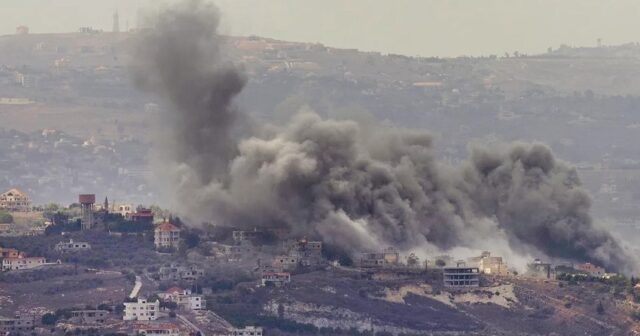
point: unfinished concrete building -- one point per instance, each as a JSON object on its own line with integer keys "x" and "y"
{"x": 387, "y": 258}
{"x": 461, "y": 277}
{"x": 539, "y": 269}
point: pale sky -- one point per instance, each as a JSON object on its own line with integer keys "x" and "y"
{"x": 411, "y": 27}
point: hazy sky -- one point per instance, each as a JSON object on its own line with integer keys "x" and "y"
{"x": 412, "y": 27}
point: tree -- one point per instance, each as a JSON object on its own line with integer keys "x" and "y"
{"x": 5, "y": 218}
{"x": 49, "y": 319}
{"x": 600, "y": 308}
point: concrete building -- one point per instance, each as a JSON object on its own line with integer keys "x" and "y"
{"x": 244, "y": 236}
{"x": 489, "y": 264}
{"x": 166, "y": 235}
{"x": 591, "y": 269}
{"x": 387, "y": 258}
{"x": 184, "y": 298}
{"x": 461, "y": 277}
{"x": 307, "y": 252}
{"x": 141, "y": 310}
{"x": 177, "y": 273}
{"x": 16, "y": 325}
{"x": 89, "y": 316}
{"x": 156, "y": 329}
{"x": 277, "y": 279}
{"x": 142, "y": 215}
{"x": 72, "y": 246}
{"x": 285, "y": 263}
{"x": 10, "y": 253}
{"x": 539, "y": 269}
{"x": 123, "y": 209}
{"x": 22, "y": 263}
{"x": 15, "y": 200}
{"x": 247, "y": 331}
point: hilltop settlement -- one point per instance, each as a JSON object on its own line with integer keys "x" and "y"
{"x": 125, "y": 269}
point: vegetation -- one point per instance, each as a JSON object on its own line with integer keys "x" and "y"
{"x": 5, "y": 218}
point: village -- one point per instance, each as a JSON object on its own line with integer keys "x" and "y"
{"x": 153, "y": 275}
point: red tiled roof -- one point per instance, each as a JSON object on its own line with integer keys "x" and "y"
{"x": 166, "y": 226}
{"x": 174, "y": 290}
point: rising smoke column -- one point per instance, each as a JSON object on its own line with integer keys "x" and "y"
{"x": 360, "y": 187}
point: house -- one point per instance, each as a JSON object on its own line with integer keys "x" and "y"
{"x": 21, "y": 263}
{"x": 247, "y": 331}
{"x": 387, "y": 258}
{"x": 177, "y": 273}
{"x": 489, "y": 264}
{"x": 166, "y": 235}
{"x": 461, "y": 277}
{"x": 286, "y": 263}
{"x": 16, "y": 325}
{"x": 89, "y": 316}
{"x": 183, "y": 298}
{"x": 15, "y": 200}
{"x": 141, "y": 310}
{"x": 72, "y": 246}
{"x": 539, "y": 269}
{"x": 10, "y": 253}
{"x": 244, "y": 236}
{"x": 142, "y": 216}
{"x": 123, "y": 209}
{"x": 307, "y": 252}
{"x": 277, "y": 279}
{"x": 591, "y": 269}
{"x": 156, "y": 329}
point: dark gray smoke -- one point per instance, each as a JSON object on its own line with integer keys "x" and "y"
{"x": 357, "y": 186}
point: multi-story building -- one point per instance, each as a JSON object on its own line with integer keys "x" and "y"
{"x": 388, "y": 257}
{"x": 461, "y": 277}
{"x": 247, "y": 331}
{"x": 72, "y": 246}
{"x": 89, "y": 316}
{"x": 277, "y": 279}
{"x": 177, "y": 273}
{"x": 166, "y": 235}
{"x": 15, "y": 200}
{"x": 141, "y": 310}
{"x": 489, "y": 264}
{"x": 184, "y": 298}
{"x": 156, "y": 329}
{"x": 17, "y": 325}
{"x": 10, "y": 253}
{"x": 21, "y": 263}
{"x": 591, "y": 269}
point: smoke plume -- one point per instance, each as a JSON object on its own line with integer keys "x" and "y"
{"x": 354, "y": 185}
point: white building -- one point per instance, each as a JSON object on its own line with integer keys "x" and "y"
{"x": 156, "y": 329}
{"x": 166, "y": 235}
{"x": 183, "y": 298}
{"x": 15, "y": 200}
{"x": 247, "y": 331}
{"x": 20, "y": 263}
{"x": 72, "y": 246}
{"x": 277, "y": 279}
{"x": 141, "y": 310}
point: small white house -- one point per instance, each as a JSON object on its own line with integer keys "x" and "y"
{"x": 141, "y": 310}
{"x": 72, "y": 246}
{"x": 247, "y": 331}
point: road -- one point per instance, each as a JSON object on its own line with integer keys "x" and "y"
{"x": 136, "y": 287}
{"x": 191, "y": 325}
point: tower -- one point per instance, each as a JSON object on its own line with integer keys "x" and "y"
{"x": 116, "y": 22}
{"x": 86, "y": 205}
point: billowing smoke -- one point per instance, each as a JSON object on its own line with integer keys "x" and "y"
{"x": 358, "y": 186}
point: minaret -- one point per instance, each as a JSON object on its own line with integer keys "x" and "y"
{"x": 116, "y": 22}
